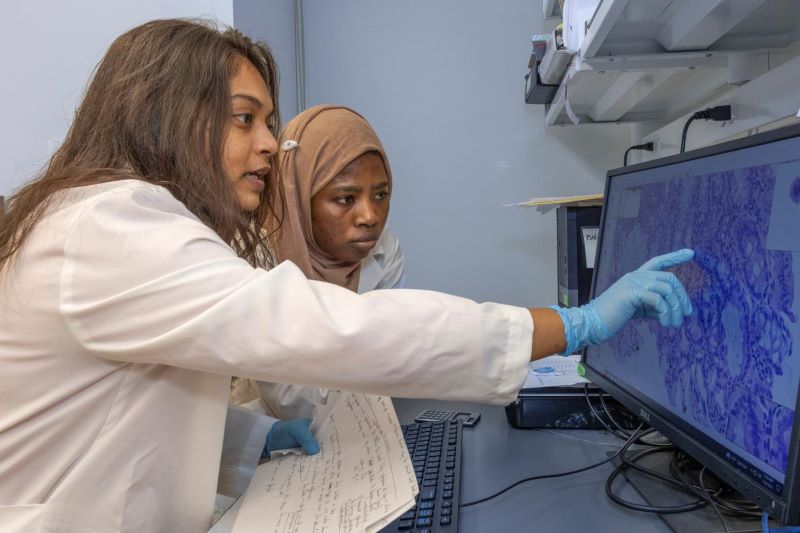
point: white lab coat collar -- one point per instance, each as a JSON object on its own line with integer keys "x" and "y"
{"x": 383, "y": 268}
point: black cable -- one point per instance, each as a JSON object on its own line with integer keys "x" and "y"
{"x": 746, "y": 510}
{"x": 608, "y": 411}
{"x": 678, "y": 464}
{"x": 674, "y": 509}
{"x": 632, "y": 463}
{"x": 622, "y": 449}
{"x": 737, "y": 507}
{"x": 640, "y": 440}
{"x": 702, "y": 491}
{"x": 719, "y": 113}
{"x": 621, "y": 433}
{"x": 685, "y": 131}
{"x": 622, "y": 436}
{"x": 712, "y": 502}
{"x": 646, "y": 146}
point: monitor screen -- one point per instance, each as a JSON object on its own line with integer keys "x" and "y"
{"x": 725, "y": 384}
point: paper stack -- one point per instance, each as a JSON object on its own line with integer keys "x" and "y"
{"x": 361, "y": 480}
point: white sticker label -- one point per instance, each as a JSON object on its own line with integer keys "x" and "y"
{"x": 590, "y": 234}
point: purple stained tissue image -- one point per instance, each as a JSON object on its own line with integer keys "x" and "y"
{"x": 721, "y": 367}
{"x": 794, "y": 191}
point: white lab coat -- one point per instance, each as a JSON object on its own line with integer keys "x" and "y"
{"x": 381, "y": 269}
{"x": 121, "y": 321}
{"x": 384, "y": 267}
{"x": 263, "y": 402}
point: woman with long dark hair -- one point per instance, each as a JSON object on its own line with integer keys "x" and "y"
{"x": 134, "y": 283}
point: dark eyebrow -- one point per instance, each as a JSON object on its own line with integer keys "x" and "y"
{"x": 252, "y": 99}
{"x": 384, "y": 184}
{"x": 347, "y": 188}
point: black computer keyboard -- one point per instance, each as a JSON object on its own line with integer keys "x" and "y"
{"x": 435, "y": 449}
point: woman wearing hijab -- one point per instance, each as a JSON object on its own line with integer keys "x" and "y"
{"x": 338, "y": 186}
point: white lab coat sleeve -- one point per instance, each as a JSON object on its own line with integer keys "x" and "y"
{"x": 245, "y": 435}
{"x": 144, "y": 281}
{"x": 292, "y": 401}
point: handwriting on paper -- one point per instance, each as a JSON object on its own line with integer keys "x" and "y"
{"x": 361, "y": 478}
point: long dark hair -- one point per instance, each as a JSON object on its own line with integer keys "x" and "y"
{"x": 157, "y": 109}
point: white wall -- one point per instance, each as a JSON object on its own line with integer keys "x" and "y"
{"x": 442, "y": 83}
{"x": 48, "y": 49}
{"x": 272, "y": 21}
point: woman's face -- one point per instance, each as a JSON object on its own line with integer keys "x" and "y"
{"x": 249, "y": 143}
{"x": 349, "y": 213}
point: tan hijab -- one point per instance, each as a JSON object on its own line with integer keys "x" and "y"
{"x": 315, "y": 146}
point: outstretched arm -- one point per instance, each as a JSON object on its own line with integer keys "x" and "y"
{"x": 548, "y": 333}
{"x": 646, "y": 292}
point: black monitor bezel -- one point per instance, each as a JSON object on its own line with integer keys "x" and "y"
{"x": 785, "y": 508}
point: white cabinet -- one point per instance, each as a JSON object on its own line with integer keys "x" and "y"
{"x": 656, "y": 60}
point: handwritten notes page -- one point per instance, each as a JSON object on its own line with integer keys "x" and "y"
{"x": 361, "y": 480}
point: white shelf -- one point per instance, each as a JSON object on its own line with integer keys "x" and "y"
{"x": 637, "y": 88}
{"x": 654, "y": 60}
{"x": 628, "y": 27}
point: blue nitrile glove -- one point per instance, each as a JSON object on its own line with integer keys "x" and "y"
{"x": 286, "y": 434}
{"x": 646, "y": 291}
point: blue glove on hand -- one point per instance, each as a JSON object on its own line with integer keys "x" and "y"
{"x": 286, "y": 434}
{"x": 645, "y": 292}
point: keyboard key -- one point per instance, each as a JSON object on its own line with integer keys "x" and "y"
{"x": 434, "y": 449}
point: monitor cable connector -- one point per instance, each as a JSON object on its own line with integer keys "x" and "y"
{"x": 720, "y": 113}
{"x": 648, "y": 147}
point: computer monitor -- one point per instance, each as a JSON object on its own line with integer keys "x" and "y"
{"x": 724, "y": 386}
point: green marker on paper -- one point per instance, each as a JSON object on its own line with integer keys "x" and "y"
{"x": 581, "y": 370}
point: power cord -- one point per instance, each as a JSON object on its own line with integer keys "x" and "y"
{"x": 649, "y": 147}
{"x": 705, "y": 493}
{"x": 621, "y": 450}
{"x": 632, "y": 463}
{"x": 682, "y": 463}
{"x": 720, "y": 113}
{"x": 619, "y": 432}
{"x": 681, "y": 468}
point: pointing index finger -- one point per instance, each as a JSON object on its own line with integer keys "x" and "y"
{"x": 669, "y": 260}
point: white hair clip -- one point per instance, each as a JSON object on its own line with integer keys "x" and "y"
{"x": 289, "y": 145}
